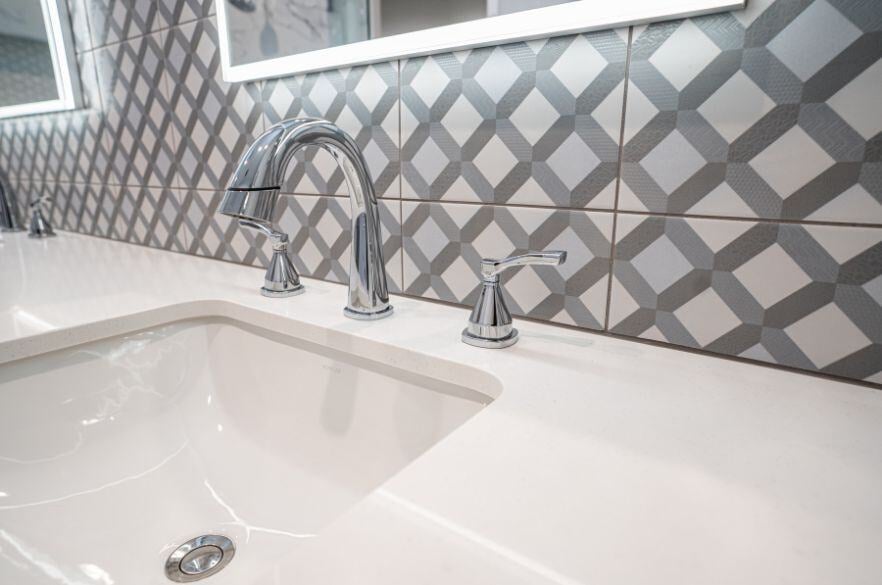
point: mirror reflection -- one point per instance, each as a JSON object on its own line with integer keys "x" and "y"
{"x": 265, "y": 29}
{"x": 26, "y": 71}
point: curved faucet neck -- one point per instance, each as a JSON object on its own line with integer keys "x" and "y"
{"x": 263, "y": 167}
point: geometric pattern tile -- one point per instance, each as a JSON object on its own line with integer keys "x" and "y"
{"x": 112, "y": 21}
{"x": 210, "y": 234}
{"x": 445, "y": 242}
{"x": 75, "y": 147}
{"x": 795, "y": 295}
{"x": 363, "y": 101}
{"x": 774, "y": 116}
{"x": 214, "y": 120}
{"x": 132, "y": 76}
{"x": 533, "y": 122}
{"x": 149, "y": 216}
{"x": 317, "y": 227}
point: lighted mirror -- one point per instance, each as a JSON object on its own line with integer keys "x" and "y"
{"x": 37, "y": 63}
{"x": 271, "y": 38}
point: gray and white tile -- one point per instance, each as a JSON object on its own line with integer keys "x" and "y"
{"x": 765, "y": 113}
{"x": 215, "y": 121}
{"x": 531, "y": 122}
{"x": 363, "y": 101}
{"x": 780, "y": 293}
{"x": 132, "y": 77}
{"x": 445, "y": 242}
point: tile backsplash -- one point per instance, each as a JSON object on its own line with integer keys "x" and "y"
{"x": 717, "y": 181}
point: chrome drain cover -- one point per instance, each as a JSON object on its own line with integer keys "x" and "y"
{"x": 199, "y": 558}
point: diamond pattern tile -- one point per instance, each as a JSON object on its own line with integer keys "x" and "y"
{"x": 112, "y": 21}
{"x": 149, "y": 216}
{"x": 215, "y": 121}
{"x": 363, "y": 101}
{"x": 488, "y": 124}
{"x": 132, "y": 76}
{"x": 775, "y": 101}
{"x": 800, "y": 295}
{"x": 445, "y": 242}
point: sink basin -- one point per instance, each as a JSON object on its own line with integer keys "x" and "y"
{"x": 114, "y": 453}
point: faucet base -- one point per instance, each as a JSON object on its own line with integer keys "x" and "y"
{"x": 359, "y": 316}
{"x": 280, "y": 294}
{"x": 486, "y": 343}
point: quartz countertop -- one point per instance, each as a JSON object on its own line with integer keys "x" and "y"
{"x": 600, "y": 461}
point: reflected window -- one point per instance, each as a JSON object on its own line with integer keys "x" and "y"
{"x": 26, "y": 72}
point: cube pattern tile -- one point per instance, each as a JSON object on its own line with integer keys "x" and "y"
{"x": 363, "y": 101}
{"x": 445, "y": 242}
{"x": 764, "y": 123}
{"x": 806, "y": 296}
{"x": 532, "y": 122}
{"x": 762, "y": 113}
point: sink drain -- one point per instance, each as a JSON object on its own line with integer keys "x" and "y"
{"x": 199, "y": 558}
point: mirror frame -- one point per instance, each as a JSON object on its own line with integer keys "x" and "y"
{"x": 562, "y": 19}
{"x": 64, "y": 65}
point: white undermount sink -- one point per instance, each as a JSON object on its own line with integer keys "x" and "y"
{"x": 115, "y": 452}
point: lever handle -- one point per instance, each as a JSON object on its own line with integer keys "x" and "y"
{"x": 278, "y": 239}
{"x": 491, "y": 268}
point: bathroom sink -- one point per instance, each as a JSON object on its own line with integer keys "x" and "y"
{"x": 114, "y": 453}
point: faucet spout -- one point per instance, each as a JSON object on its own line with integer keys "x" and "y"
{"x": 254, "y": 187}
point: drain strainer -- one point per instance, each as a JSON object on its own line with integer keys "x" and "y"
{"x": 199, "y": 558}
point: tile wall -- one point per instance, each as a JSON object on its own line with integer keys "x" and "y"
{"x": 717, "y": 181}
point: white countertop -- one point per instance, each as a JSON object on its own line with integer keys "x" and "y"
{"x": 601, "y": 460}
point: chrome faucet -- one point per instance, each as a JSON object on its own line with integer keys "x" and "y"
{"x": 490, "y": 324}
{"x": 254, "y": 189}
{"x": 8, "y": 215}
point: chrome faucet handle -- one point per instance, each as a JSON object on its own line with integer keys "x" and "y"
{"x": 490, "y": 324}
{"x": 39, "y": 226}
{"x": 281, "y": 278}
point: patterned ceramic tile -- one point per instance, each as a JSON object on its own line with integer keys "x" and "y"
{"x": 149, "y": 216}
{"x": 112, "y": 21}
{"x": 445, "y": 242}
{"x": 216, "y": 121}
{"x": 71, "y": 146}
{"x": 363, "y": 101}
{"x": 213, "y": 235}
{"x": 318, "y": 228}
{"x": 761, "y": 113}
{"x": 806, "y": 296}
{"x": 87, "y": 209}
{"x": 532, "y": 122}
{"x": 132, "y": 78}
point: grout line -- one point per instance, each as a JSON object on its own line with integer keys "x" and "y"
{"x": 840, "y": 224}
{"x": 142, "y": 35}
{"x": 400, "y": 180}
{"x": 612, "y": 244}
